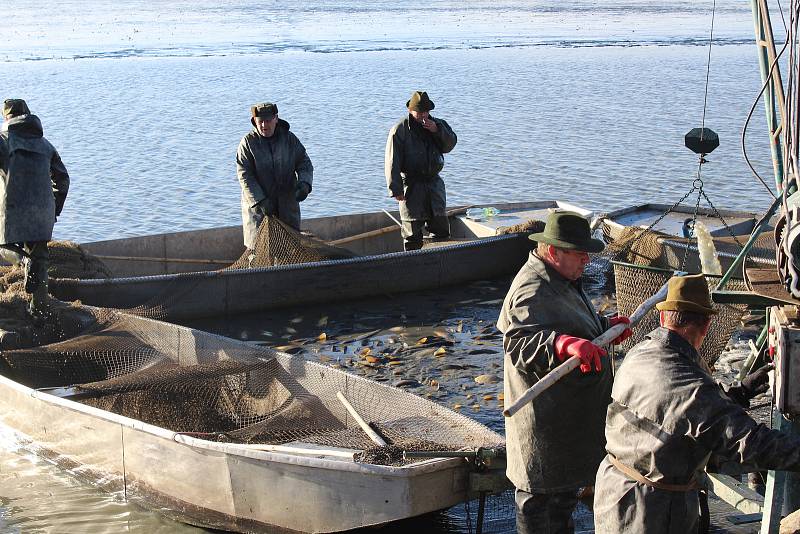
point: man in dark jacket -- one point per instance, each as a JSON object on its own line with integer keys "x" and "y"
{"x": 554, "y": 444}
{"x": 668, "y": 417}
{"x": 274, "y": 171}
{"x": 412, "y": 163}
{"x": 33, "y": 188}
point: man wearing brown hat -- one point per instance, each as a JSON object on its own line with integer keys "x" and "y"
{"x": 668, "y": 417}
{"x": 274, "y": 171}
{"x": 555, "y": 443}
{"x": 33, "y": 188}
{"x": 413, "y": 160}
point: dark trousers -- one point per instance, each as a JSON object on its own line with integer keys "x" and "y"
{"x": 438, "y": 225}
{"x": 545, "y": 513}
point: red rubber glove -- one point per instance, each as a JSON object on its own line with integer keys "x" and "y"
{"x": 625, "y": 333}
{"x": 589, "y": 353}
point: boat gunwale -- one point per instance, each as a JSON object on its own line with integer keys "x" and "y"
{"x": 478, "y": 241}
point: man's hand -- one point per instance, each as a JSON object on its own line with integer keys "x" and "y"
{"x": 620, "y": 319}
{"x": 264, "y": 207}
{"x": 399, "y": 198}
{"x": 589, "y": 353}
{"x": 430, "y": 125}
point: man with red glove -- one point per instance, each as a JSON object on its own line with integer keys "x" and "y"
{"x": 555, "y": 444}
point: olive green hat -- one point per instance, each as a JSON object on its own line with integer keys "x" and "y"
{"x": 419, "y": 101}
{"x": 569, "y": 230}
{"x": 13, "y": 107}
{"x": 689, "y": 294}
{"x": 265, "y": 110}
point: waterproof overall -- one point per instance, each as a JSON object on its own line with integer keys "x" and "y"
{"x": 413, "y": 160}
{"x": 270, "y": 168}
{"x": 667, "y": 418}
{"x": 555, "y": 443}
{"x": 33, "y": 188}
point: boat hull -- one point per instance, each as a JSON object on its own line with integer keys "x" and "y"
{"x": 205, "y": 292}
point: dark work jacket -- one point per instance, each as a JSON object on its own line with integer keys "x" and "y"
{"x": 413, "y": 159}
{"x": 270, "y": 167}
{"x": 667, "y": 417}
{"x": 33, "y": 182}
{"x": 555, "y": 443}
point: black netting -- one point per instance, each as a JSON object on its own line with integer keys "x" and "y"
{"x": 213, "y": 387}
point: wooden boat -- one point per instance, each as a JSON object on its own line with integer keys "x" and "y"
{"x": 254, "y": 487}
{"x": 672, "y": 222}
{"x": 180, "y": 272}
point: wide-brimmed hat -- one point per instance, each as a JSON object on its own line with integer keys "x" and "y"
{"x": 419, "y": 101}
{"x": 14, "y": 107}
{"x": 569, "y": 230}
{"x": 689, "y": 294}
{"x": 265, "y": 110}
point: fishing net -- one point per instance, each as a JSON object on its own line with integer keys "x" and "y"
{"x": 276, "y": 244}
{"x": 636, "y": 283}
{"x": 219, "y": 389}
{"x": 643, "y": 260}
{"x": 279, "y": 244}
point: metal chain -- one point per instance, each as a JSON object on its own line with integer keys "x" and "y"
{"x": 719, "y": 216}
{"x": 644, "y": 231}
{"x": 697, "y": 184}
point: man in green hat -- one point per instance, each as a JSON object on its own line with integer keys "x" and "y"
{"x": 555, "y": 444}
{"x": 668, "y": 417}
{"x": 33, "y": 188}
{"x": 274, "y": 171}
{"x": 413, "y": 160}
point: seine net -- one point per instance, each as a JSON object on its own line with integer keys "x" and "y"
{"x": 219, "y": 389}
{"x": 643, "y": 260}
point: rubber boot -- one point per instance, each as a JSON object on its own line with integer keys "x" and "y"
{"x": 39, "y": 306}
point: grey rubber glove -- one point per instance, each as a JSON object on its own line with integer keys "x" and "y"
{"x": 264, "y": 207}
{"x": 757, "y": 382}
{"x": 301, "y": 191}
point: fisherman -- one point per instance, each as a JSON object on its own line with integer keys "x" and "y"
{"x": 555, "y": 444}
{"x": 413, "y": 160}
{"x": 274, "y": 171}
{"x": 33, "y": 188}
{"x": 668, "y": 417}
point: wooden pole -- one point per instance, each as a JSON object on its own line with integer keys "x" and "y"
{"x": 387, "y": 229}
{"x": 363, "y": 424}
{"x": 574, "y": 362}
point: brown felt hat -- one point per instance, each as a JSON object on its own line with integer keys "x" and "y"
{"x": 265, "y": 110}
{"x": 569, "y": 230}
{"x": 13, "y": 107}
{"x": 689, "y": 294}
{"x": 419, "y": 101}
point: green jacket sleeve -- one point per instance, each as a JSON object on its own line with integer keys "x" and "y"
{"x": 246, "y": 172}
{"x": 393, "y": 163}
{"x": 445, "y": 138}
{"x": 303, "y": 167}
{"x": 60, "y": 179}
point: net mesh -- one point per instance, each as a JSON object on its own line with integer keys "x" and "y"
{"x": 643, "y": 260}
{"x": 194, "y": 382}
{"x": 635, "y": 284}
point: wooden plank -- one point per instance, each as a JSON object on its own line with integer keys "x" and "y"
{"x": 736, "y": 493}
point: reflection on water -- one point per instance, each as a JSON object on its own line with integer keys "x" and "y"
{"x": 38, "y": 497}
